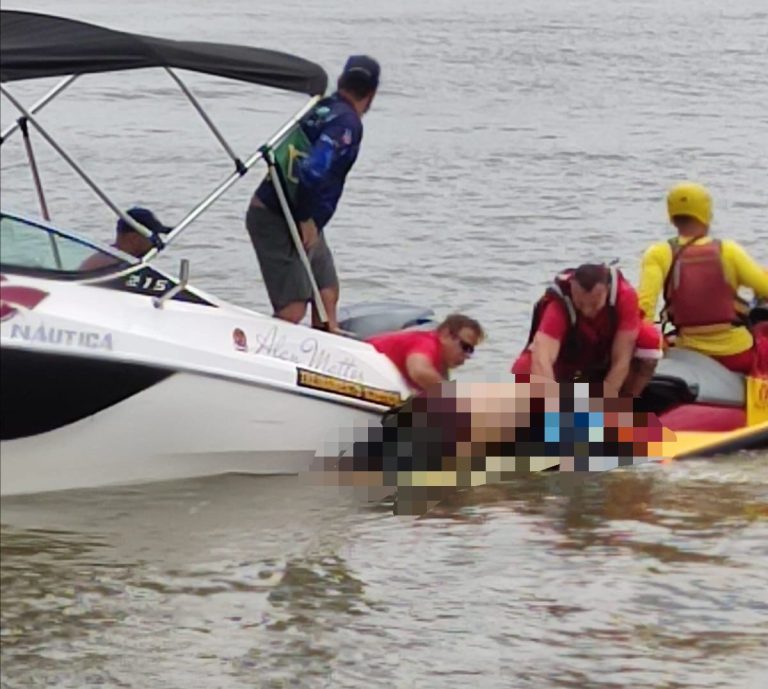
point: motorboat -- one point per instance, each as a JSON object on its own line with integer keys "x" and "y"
{"x": 127, "y": 373}
{"x": 710, "y": 409}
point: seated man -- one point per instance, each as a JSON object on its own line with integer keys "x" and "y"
{"x": 587, "y": 326}
{"x": 698, "y": 278}
{"x": 128, "y": 240}
{"x": 425, "y": 357}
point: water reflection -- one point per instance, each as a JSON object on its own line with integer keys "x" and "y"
{"x": 58, "y": 594}
{"x": 275, "y": 584}
{"x": 311, "y": 600}
{"x": 638, "y": 508}
{"x": 656, "y": 567}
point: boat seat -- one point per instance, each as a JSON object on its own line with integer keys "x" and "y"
{"x": 706, "y": 381}
{"x": 371, "y": 318}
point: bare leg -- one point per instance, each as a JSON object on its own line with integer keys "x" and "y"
{"x": 293, "y": 312}
{"x": 640, "y": 374}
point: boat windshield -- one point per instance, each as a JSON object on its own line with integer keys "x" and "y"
{"x": 34, "y": 249}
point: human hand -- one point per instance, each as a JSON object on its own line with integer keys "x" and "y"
{"x": 309, "y": 233}
{"x": 610, "y": 389}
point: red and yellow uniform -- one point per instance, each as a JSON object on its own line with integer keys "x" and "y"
{"x": 700, "y": 324}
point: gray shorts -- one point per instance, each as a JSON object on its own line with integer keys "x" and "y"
{"x": 284, "y": 275}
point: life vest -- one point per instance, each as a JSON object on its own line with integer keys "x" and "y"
{"x": 560, "y": 290}
{"x": 696, "y": 292}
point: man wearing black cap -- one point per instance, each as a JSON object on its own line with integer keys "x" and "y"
{"x": 128, "y": 240}
{"x": 334, "y": 131}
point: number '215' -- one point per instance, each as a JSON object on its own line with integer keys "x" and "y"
{"x": 148, "y": 283}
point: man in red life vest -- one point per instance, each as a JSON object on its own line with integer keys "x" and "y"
{"x": 424, "y": 358}
{"x": 588, "y": 326}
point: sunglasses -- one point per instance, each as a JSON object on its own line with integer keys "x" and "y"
{"x": 465, "y": 346}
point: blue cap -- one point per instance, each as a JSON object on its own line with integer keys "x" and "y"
{"x": 365, "y": 67}
{"x": 147, "y": 218}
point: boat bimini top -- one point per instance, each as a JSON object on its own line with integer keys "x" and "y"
{"x": 34, "y": 46}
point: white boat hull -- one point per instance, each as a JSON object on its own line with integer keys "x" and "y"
{"x": 184, "y": 391}
{"x": 240, "y": 428}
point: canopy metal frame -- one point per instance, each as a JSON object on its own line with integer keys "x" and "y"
{"x": 264, "y": 152}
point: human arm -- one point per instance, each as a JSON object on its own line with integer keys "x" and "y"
{"x": 624, "y": 341}
{"x": 311, "y": 171}
{"x": 622, "y": 350}
{"x": 544, "y": 353}
{"x": 652, "y": 276}
{"x": 422, "y": 371}
{"x": 335, "y": 148}
{"x": 97, "y": 261}
{"x": 748, "y": 272}
{"x": 309, "y": 232}
{"x": 548, "y": 340}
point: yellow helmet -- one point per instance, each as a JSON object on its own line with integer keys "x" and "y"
{"x": 690, "y": 198}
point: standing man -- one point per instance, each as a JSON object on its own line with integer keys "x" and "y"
{"x": 333, "y": 132}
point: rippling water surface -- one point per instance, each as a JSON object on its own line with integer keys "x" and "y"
{"x": 653, "y": 577}
{"x": 508, "y": 140}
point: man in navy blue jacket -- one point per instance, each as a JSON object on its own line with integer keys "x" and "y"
{"x": 333, "y": 131}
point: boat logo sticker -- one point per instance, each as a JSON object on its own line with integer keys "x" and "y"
{"x": 16, "y": 298}
{"x": 308, "y": 351}
{"x": 239, "y": 340}
{"x": 44, "y": 334}
{"x": 347, "y": 388}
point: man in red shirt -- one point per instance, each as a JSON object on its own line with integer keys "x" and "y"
{"x": 425, "y": 357}
{"x": 588, "y": 326}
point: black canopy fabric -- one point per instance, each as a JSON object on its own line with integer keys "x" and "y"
{"x": 37, "y": 45}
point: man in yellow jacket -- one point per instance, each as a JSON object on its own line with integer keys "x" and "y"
{"x": 698, "y": 278}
